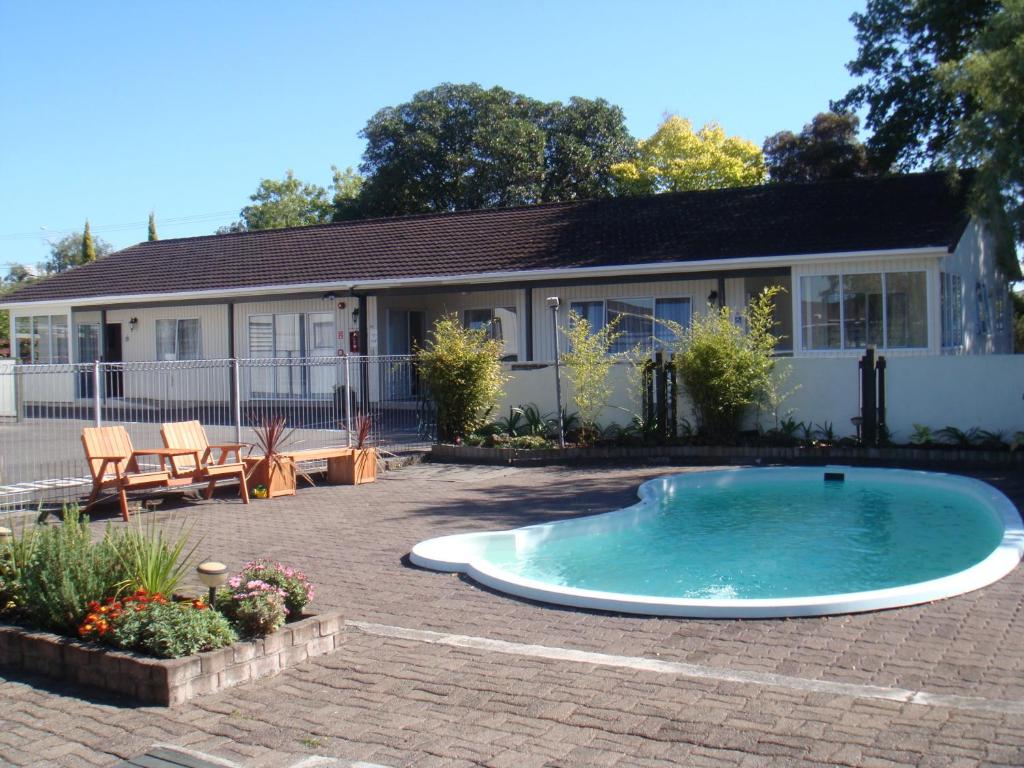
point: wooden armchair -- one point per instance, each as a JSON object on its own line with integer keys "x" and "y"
{"x": 195, "y": 458}
{"x": 113, "y": 463}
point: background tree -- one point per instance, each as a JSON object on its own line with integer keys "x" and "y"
{"x": 68, "y": 252}
{"x": 941, "y": 81}
{"x": 826, "y": 148}
{"x": 151, "y": 234}
{"x": 585, "y": 138}
{"x": 458, "y": 147}
{"x": 289, "y": 202}
{"x": 88, "y": 249}
{"x": 677, "y": 159}
{"x": 346, "y": 186}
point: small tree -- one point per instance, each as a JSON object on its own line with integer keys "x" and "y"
{"x": 88, "y": 249}
{"x": 588, "y": 363}
{"x": 151, "y": 235}
{"x": 726, "y": 369}
{"x": 461, "y": 368}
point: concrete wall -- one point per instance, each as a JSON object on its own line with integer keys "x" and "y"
{"x": 939, "y": 391}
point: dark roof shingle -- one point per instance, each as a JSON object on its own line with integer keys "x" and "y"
{"x": 911, "y": 211}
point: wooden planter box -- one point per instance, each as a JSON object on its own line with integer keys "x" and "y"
{"x": 277, "y": 477}
{"x": 359, "y": 466}
{"x": 167, "y": 682}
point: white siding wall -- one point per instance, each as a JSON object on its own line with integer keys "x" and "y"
{"x": 343, "y": 320}
{"x": 139, "y": 345}
{"x": 929, "y": 265}
{"x": 975, "y": 261}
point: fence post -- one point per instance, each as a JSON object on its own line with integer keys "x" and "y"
{"x": 236, "y": 399}
{"x": 673, "y": 398}
{"x": 662, "y": 394}
{"x": 97, "y": 404}
{"x": 868, "y": 390}
{"x": 883, "y": 430}
{"x": 346, "y": 406}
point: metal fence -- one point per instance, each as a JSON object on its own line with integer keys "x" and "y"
{"x": 43, "y": 409}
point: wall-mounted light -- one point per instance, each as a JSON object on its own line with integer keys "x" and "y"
{"x": 133, "y": 323}
{"x": 329, "y": 296}
{"x": 712, "y": 297}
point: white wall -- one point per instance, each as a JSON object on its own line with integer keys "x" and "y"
{"x": 975, "y": 261}
{"x": 8, "y": 393}
{"x": 139, "y": 344}
{"x": 940, "y": 391}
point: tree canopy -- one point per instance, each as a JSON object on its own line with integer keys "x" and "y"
{"x": 942, "y": 87}
{"x": 457, "y": 147}
{"x": 288, "y": 202}
{"x": 72, "y": 251}
{"x": 677, "y": 159}
{"x": 826, "y": 148}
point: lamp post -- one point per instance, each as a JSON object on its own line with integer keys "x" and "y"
{"x": 553, "y": 306}
{"x": 213, "y": 575}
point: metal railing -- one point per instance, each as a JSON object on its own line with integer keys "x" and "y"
{"x": 43, "y": 409}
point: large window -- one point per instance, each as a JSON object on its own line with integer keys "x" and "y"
{"x": 290, "y": 336}
{"x": 177, "y": 339}
{"x": 952, "y": 308}
{"x": 501, "y": 323}
{"x": 41, "y": 339}
{"x": 645, "y": 322}
{"x": 855, "y": 311}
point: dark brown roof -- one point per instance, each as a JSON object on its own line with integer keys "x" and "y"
{"x": 910, "y": 211}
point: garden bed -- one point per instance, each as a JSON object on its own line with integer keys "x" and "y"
{"x": 168, "y": 682}
{"x": 936, "y": 458}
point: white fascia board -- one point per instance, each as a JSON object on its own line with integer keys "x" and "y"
{"x": 678, "y": 267}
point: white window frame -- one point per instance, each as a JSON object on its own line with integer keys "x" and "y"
{"x": 654, "y": 346}
{"x": 177, "y": 336}
{"x": 47, "y": 356}
{"x": 951, "y": 309}
{"x": 841, "y": 274}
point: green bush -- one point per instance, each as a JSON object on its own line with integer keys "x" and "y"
{"x": 461, "y": 369}
{"x": 170, "y": 630}
{"x": 724, "y": 369}
{"x": 66, "y": 571}
{"x": 588, "y": 363}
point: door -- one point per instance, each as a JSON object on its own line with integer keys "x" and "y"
{"x": 88, "y": 348}
{"x": 114, "y": 376}
{"x": 406, "y": 329}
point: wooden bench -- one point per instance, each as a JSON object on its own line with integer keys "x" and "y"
{"x": 201, "y": 464}
{"x": 332, "y": 456}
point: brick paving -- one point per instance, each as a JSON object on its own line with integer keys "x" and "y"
{"x": 398, "y": 701}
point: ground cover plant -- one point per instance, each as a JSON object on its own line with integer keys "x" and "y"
{"x": 121, "y": 589}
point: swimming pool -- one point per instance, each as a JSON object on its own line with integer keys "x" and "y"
{"x": 757, "y": 542}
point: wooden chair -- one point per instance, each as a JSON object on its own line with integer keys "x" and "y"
{"x": 199, "y": 462}
{"x": 113, "y": 463}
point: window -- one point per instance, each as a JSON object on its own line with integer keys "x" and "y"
{"x": 290, "y": 336}
{"x": 177, "y": 339}
{"x": 951, "y": 301}
{"x": 999, "y": 308}
{"x": 855, "y": 311}
{"x": 984, "y": 311}
{"x": 637, "y": 320}
{"x": 501, "y": 323}
{"x": 41, "y": 339}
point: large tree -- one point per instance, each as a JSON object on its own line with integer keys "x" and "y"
{"x": 288, "y": 202}
{"x": 826, "y": 148}
{"x": 457, "y": 147}
{"x": 346, "y": 186}
{"x": 677, "y": 158}
{"x": 72, "y": 251}
{"x": 942, "y": 85}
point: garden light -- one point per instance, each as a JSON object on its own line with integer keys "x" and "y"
{"x": 6, "y": 536}
{"x": 213, "y": 575}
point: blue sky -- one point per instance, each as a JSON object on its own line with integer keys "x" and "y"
{"x": 110, "y": 110}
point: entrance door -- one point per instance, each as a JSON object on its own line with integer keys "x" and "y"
{"x": 406, "y": 329}
{"x": 114, "y": 379}
{"x": 88, "y": 347}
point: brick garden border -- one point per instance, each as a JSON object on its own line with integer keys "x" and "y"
{"x": 933, "y": 458}
{"x": 168, "y": 682}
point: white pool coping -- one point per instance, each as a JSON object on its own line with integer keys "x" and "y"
{"x": 461, "y": 553}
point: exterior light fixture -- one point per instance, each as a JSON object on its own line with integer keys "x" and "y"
{"x": 712, "y": 297}
{"x": 133, "y": 323}
{"x": 213, "y": 575}
{"x": 553, "y": 303}
{"x": 330, "y": 296}
{"x": 6, "y": 536}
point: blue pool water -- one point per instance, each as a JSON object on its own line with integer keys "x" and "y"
{"x": 745, "y": 540}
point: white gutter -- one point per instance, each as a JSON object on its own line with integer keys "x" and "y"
{"x": 624, "y": 270}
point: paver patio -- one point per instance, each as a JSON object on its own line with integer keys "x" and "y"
{"x": 771, "y": 692}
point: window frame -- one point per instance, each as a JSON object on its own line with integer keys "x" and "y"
{"x": 177, "y": 338}
{"x": 53, "y": 355}
{"x": 843, "y": 347}
{"x": 656, "y": 344}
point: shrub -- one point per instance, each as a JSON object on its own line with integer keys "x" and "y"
{"x": 253, "y": 606}
{"x": 155, "y": 564}
{"x": 13, "y": 569}
{"x": 298, "y": 591}
{"x": 588, "y": 363}
{"x": 154, "y": 625}
{"x": 67, "y": 571}
{"x": 461, "y": 369}
{"x": 726, "y": 370}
